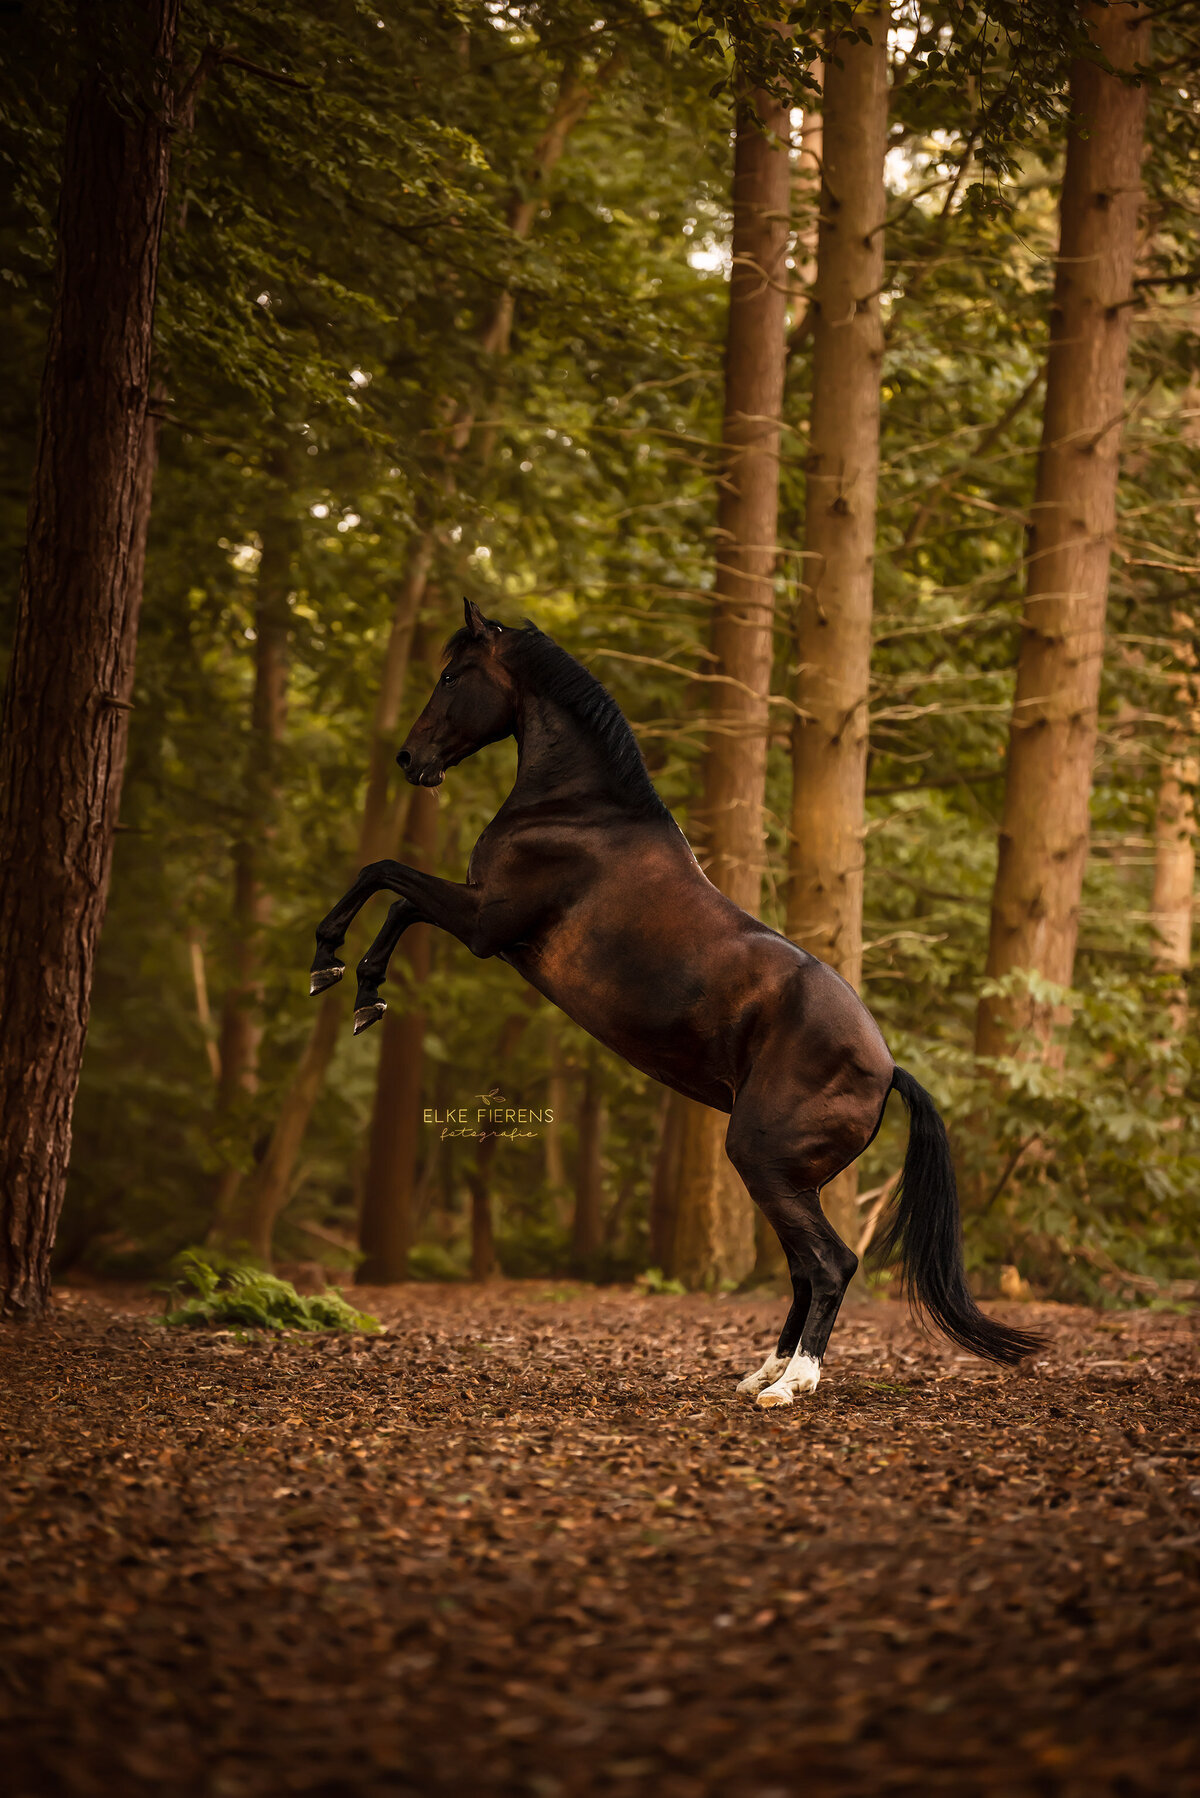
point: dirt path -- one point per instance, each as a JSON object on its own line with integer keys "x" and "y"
{"x": 531, "y": 1543}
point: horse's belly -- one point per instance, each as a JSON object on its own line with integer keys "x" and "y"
{"x": 649, "y": 1012}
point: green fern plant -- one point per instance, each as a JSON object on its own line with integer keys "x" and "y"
{"x": 225, "y": 1295}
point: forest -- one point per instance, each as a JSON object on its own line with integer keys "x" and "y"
{"x": 374, "y": 1410}
{"x": 550, "y": 310}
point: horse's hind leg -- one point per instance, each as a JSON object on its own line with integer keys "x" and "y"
{"x": 786, "y": 1146}
{"x": 822, "y": 1268}
{"x": 789, "y": 1337}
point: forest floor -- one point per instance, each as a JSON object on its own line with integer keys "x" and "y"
{"x": 529, "y": 1542}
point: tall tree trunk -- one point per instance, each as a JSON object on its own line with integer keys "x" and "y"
{"x": 387, "y": 1221}
{"x": 70, "y": 680}
{"x": 1044, "y": 827}
{"x": 664, "y": 1186}
{"x": 1175, "y": 828}
{"x": 1175, "y": 866}
{"x": 587, "y": 1228}
{"x": 241, "y": 1012}
{"x": 552, "y": 1131}
{"x": 714, "y": 1228}
{"x": 203, "y": 1010}
{"x": 479, "y": 1177}
{"x": 770, "y": 1262}
{"x": 829, "y": 736}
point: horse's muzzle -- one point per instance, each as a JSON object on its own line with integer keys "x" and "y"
{"x": 419, "y": 774}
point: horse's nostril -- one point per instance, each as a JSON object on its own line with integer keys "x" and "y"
{"x": 404, "y": 759}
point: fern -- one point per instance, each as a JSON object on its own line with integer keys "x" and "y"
{"x": 225, "y": 1295}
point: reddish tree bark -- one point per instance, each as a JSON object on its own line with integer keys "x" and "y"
{"x": 68, "y": 697}
{"x": 241, "y": 1012}
{"x": 587, "y": 1228}
{"x": 829, "y": 737}
{"x": 714, "y": 1219}
{"x": 386, "y": 1222}
{"x": 1052, "y": 739}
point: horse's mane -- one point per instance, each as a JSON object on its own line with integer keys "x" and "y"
{"x": 546, "y": 668}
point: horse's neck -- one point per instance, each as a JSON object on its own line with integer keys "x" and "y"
{"x": 557, "y": 758}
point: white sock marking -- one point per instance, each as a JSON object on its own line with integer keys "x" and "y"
{"x": 801, "y": 1374}
{"x": 770, "y": 1370}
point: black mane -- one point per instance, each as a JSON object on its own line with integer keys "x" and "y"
{"x": 545, "y": 668}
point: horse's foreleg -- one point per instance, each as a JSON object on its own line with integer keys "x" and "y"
{"x": 372, "y": 969}
{"x": 451, "y": 907}
{"x": 327, "y": 965}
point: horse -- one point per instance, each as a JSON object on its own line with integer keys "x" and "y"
{"x": 585, "y": 884}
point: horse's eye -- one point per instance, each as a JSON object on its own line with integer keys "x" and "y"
{"x": 449, "y": 679}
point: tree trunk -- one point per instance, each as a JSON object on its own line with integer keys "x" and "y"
{"x": 479, "y": 1179}
{"x": 387, "y": 1221}
{"x": 664, "y": 1189}
{"x": 70, "y": 680}
{"x": 714, "y": 1231}
{"x": 770, "y": 1263}
{"x": 241, "y": 1012}
{"x": 1044, "y": 827}
{"x": 556, "y": 1106}
{"x": 587, "y": 1229}
{"x": 1175, "y": 828}
{"x": 1175, "y": 865}
{"x": 203, "y": 1011}
{"x": 829, "y": 736}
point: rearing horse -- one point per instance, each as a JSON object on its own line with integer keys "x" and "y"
{"x": 584, "y": 883}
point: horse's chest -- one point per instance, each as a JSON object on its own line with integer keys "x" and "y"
{"x": 477, "y": 861}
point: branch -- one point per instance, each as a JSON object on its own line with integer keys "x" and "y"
{"x": 974, "y": 778}
{"x": 217, "y": 56}
{"x": 941, "y": 488}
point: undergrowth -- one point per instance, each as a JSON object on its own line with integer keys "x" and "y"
{"x": 234, "y": 1294}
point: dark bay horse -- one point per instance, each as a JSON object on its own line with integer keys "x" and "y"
{"x": 584, "y": 883}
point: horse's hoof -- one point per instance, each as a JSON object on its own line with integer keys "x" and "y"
{"x": 322, "y": 978}
{"x": 774, "y": 1395}
{"x": 766, "y": 1375}
{"x": 366, "y": 1015}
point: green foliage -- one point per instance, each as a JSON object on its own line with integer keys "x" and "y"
{"x": 654, "y": 1282}
{"x": 333, "y": 254}
{"x": 228, "y": 1294}
{"x": 430, "y": 1261}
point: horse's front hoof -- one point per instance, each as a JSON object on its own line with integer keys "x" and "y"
{"x": 366, "y": 1015}
{"x": 322, "y": 978}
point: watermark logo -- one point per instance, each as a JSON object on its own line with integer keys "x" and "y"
{"x": 490, "y": 1114}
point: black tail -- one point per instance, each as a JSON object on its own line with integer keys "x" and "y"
{"x": 926, "y": 1228}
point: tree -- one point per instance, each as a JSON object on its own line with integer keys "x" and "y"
{"x": 587, "y": 1224}
{"x": 386, "y": 1221}
{"x": 830, "y": 733}
{"x": 1044, "y": 830}
{"x": 1173, "y": 900}
{"x": 241, "y": 1011}
{"x": 69, "y": 691}
{"x": 714, "y": 1222}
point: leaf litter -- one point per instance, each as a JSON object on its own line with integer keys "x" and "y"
{"x": 532, "y": 1544}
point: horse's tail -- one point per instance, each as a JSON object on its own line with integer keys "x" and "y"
{"x": 926, "y": 1228}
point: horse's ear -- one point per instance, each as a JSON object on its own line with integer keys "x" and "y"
{"x": 477, "y": 624}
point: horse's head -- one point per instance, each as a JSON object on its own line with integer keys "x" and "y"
{"x": 473, "y": 704}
